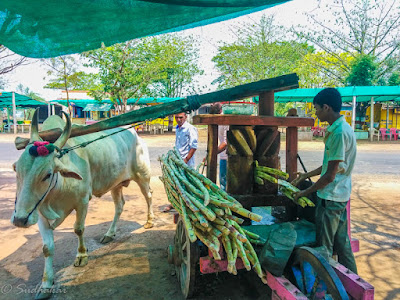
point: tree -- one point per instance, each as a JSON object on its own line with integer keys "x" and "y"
{"x": 363, "y": 71}
{"x": 258, "y": 54}
{"x": 322, "y": 69}
{"x": 63, "y": 70}
{"x": 181, "y": 54}
{"x": 359, "y": 27}
{"x": 156, "y": 66}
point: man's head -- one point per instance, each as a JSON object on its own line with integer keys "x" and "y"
{"x": 327, "y": 102}
{"x": 216, "y": 108}
{"x": 180, "y": 118}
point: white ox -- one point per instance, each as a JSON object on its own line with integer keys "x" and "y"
{"x": 49, "y": 188}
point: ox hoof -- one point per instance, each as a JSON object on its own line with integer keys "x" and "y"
{"x": 148, "y": 225}
{"x": 81, "y": 261}
{"x": 106, "y": 239}
{"x": 43, "y": 293}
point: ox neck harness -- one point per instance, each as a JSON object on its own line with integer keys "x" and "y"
{"x": 52, "y": 185}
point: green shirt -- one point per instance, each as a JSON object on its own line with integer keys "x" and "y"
{"x": 340, "y": 144}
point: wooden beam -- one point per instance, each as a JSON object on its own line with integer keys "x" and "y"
{"x": 212, "y": 152}
{"x": 252, "y": 120}
{"x": 291, "y": 152}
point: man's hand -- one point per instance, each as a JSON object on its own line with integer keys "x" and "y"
{"x": 300, "y": 178}
{"x": 300, "y": 194}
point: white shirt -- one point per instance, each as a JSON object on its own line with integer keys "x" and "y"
{"x": 186, "y": 139}
{"x": 222, "y": 129}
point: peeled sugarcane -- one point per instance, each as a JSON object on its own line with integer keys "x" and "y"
{"x": 262, "y": 173}
{"x": 209, "y": 209}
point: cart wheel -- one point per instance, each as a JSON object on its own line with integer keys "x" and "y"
{"x": 313, "y": 275}
{"x": 186, "y": 259}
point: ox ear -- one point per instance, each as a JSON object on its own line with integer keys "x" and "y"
{"x": 14, "y": 166}
{"x": 68, "y": 172}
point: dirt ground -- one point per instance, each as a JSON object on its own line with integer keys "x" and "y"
{"x": 134, "y": 265}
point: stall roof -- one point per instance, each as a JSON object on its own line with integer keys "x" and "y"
{"x": 43, "y": 28}
{"x": 362, "y": 93}
{"x": 131, "y": 101}
{"x": 20, "y": 100}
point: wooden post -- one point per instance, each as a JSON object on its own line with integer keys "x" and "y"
{"x": 266, "y": 104}
{"x": 212, "y": 152}
{"x": 353, "y": 117}
{"x": 291, "y": 152}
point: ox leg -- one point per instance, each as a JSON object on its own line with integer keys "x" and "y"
{"x": 79, "y": 228}
{"x": 48, "y": 251}
{"x": 119, "y": 202}
{"x": 147, "y": 193}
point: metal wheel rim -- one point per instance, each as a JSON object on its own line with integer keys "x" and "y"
{"x": 323, "y": 271}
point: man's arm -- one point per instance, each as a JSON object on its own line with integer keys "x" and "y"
{"x": 304, "y": 176}
{"x": 323, "y": 181}
{"x": 222, "y": 147}
{"x": 190, "y": 155}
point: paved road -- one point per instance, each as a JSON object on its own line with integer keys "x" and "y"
{"x": 379, "y": 162}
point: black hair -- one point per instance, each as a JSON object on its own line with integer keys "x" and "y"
{"x": 330, "y": 97}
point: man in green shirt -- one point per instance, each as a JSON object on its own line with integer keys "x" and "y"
{"x": 334, "y": 186}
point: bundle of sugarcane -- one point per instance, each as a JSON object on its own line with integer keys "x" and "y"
{"x": 206, "y": 211}
{"x": 262, "y": 173}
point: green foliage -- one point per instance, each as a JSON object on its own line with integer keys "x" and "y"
{"x": 363, "y": 71}
{"x": 394, "y": 79}
{"x": 322, "y": 69}
{"x": 181, "y": 55}
{"x": 61, "y": 69}
{"x": 156, "y": 66}
{"x": 75, "y": 81}
{"x": 258, "y": 53}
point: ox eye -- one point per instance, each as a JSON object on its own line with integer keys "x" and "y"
{"x": 46, "y": 177}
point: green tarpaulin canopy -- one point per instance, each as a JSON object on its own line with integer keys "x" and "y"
{"x": 44, "y": 28}
{"x": 20, "y": 100}
{"x": 362, "y": 93}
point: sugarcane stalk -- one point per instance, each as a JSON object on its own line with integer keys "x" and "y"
{"x": 208, "y": 243}
{"x": 265, "y": 176}
{"x": 234, "y": 218}
{"x": 243, "y": 255}
{"x": 248, "y": 214}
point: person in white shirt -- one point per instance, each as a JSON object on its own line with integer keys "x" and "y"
{"x": 185, "y": 142}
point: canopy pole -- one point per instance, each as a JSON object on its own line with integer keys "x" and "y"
{"x": 387, "y": 115}
{"x": 14, "y": 112}
{"x": 53, "y": 107}
{"x": 48, "y": 109}
{"x": 353, "y": 119}
{"x": 8, "y": 120}
{"x": 371, "y": 126}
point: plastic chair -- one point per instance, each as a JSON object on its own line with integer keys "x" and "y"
{"x": 394, "y": 132}
{"x": 384, "y": 133}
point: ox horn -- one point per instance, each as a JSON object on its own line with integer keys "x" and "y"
{"x": 34, "y": 127}
{"x": 65, "y": 134}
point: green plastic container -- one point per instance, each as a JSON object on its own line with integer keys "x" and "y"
{"x": 238, "y": 109}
